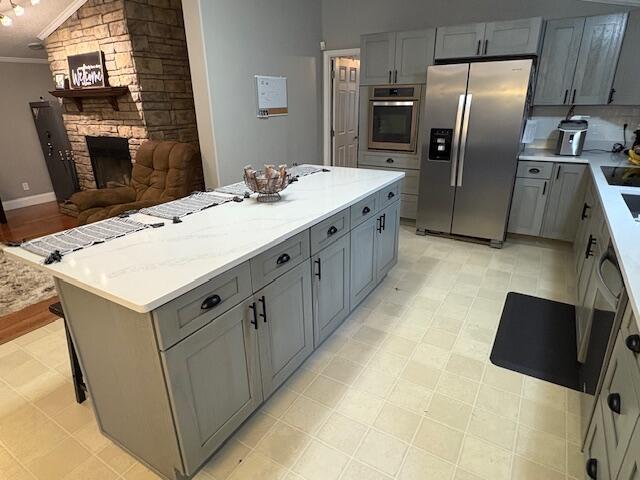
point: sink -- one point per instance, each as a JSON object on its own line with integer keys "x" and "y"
{"x": 633, "y": 203}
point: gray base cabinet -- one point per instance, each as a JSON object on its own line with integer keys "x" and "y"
{"x": 363, "y": 260}
{"x": 285, "y": 326}
{"x": 527, "y": 206}
{"x": 563, "y": 203}
{"x": 331, "y": 279}
{"x": 387, "y": 240}
{"x": 595, "y": 449}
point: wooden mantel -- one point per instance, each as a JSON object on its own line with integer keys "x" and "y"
{"x": 77, "y": 95}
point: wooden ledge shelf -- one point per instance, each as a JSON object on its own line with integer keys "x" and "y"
{"x": 78, "y": 95}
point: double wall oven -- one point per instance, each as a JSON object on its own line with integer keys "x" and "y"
{"x": 394, "y": 113}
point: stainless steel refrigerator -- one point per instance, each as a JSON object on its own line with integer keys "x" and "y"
{"x": 472, "y": 126}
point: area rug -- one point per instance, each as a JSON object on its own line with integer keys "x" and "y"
{"x": 22, "y": 286}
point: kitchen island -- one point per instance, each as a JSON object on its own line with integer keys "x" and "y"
{"x": 183, "y": 331}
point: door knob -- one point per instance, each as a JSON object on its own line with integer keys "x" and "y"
{"x": 633, "y": 343}
{"x": 614, "y": 402}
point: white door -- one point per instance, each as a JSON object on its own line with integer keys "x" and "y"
{"x": 346, "y": 73}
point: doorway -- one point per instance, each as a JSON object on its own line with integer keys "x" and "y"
{"x": 341, "y": 106}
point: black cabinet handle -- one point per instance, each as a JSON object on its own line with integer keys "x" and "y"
{"x": 332, "y": 230}
{"x": 633, "y": 343}
{"x": 478, "y": 48}
{"x": 544, "y": 189}
{"x": 264, "y": 309}
{"x": 379, "y": 224}
{"x": 395, "y": 79}
{"x": 366, "y": 210}
{"x": 588, "y": 253}
{"x": 573, "y": 97}
{"x": 612, "y": 92}
{"x": 614, "y": 402}
{"x": 282, "y": 259}
{"x": 254, "y": 322}
{"x": 390, "y": 160}
{"x": 566, "y": 94}
{"x": 592, "y": 468}
{"x": 558, "y": 172}
{"x": 583, "y": 215}
{"x": 390, "y": 195}
{"x": 318, "y": 273}
{"x": 383, "y": 221}
{"x": 534, "y": 170}
{"x": 210, "y": 302}
{"x": 389, "y": 76}
{"x": 486, "y": 46}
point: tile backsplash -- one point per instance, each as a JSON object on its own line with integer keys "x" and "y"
{"x": 605, "y": 125}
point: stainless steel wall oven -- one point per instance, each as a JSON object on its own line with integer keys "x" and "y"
{"x": 393, "y": 117}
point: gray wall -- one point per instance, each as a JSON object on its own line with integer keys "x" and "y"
{"x": 344, "y": 21}
{"x": 243, "y": 38}
{"x": 21, "y": 158}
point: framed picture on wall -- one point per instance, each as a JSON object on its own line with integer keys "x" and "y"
{"x": 86, "y": 70}
{"x": 59, "y": 79}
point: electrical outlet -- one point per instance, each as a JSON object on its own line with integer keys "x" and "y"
{"x": 25, "y": 186}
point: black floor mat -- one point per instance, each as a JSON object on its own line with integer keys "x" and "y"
{"x": 537, "y": 337}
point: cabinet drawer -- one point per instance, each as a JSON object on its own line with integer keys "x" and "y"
{"x": 188, "y": 313}
{"x": 328, "y": 231}
{"x": 269, "y": 265}
{"x": 389, "y": 194}
{"x": 394, "y": 161}
{"x": 528, "y": 169}
{"x": 408, "y": 206}
{"x": 364, "y": 209}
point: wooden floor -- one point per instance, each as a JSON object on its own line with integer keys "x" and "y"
{"x": 27, "y": 223}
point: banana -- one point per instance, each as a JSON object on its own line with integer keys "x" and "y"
{"x": 633, "y": 157}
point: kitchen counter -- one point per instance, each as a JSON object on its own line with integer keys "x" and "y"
{"x": 147, "y": 269}
{"x": 624, "y": 230}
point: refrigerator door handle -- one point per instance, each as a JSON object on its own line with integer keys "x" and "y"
{"x": 465, "y": 133}
{"x": 455, "y": 144}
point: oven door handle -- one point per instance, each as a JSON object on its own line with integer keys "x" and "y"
{"x": 394, "y": 103}
{"x": 455, "y": 141}
{"x": 608, "y": 257}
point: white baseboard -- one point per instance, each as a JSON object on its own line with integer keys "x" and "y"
{"x": 28, "y": 201}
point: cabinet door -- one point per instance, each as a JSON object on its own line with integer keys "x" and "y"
{"x": 214, "y": 383}
{"x": 563, "y": 206}
{"x": 414, "y": 53}
{"x": 460, "y": 41}
{"x": 625, "y": 85}
{"x": 387, "y": 240}
{"x": 527, "y": 206}
{"x": 630, "y": 469}
{"x": 514, "y": 37}
{"x": 285, "y": 326}
{"x": 558, "y": 61}
{"x": 598, "y": 58}
{"x": 331, "y": 288}
{"x": 582, "y": 233}
{"x": 377, "y": 58}
{"x": 595, "y": 449}
{"x": 363, "y": 260}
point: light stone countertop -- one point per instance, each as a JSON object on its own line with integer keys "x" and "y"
{"x": 624, "y": 230}
{"x": 147, "y": 269}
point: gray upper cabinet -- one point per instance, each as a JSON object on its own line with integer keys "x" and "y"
{"x": 377, "y": 54}
{"x": 460, "y": 41}
{"x": 513, "y": 37}
{"x": 285, "y": 326}
{"x": 625, "y": 84}
{"x": 331, "y": 304}
{"x": 558, "y": 60}
{"x": 401, "y": 57}
{"x": 387, "y": 241}
{"x": 563, "y": 205}
{"x": 598, "y": 58}
{"x": 527, "y": 206}
{"x": 213, "y": 382}
{"x": 414, "y": 53}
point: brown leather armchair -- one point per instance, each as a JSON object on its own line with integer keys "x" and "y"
{"x": 163, "y": 171}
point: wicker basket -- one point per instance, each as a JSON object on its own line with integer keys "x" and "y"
{"x": 267, "y": 183}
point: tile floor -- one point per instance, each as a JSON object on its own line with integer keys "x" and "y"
{"x": 403, "y": 389}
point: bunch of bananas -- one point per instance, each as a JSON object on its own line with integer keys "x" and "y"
{"x": 634, "y": 155}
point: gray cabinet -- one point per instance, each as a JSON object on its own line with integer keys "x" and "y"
{"x": 401, "y": 57}
{"x": 527, "y": 206}
{"x": 563, "y": 204}
{"x": 363, "y": 260}
{"x": 558, "y": 60}
{"x": 595, "y": 449}
{"x": 625, "y": 84}
{"x": 214, "y": 383}
{"x": 331, "y": 303}
{"x": 387, "y": 239}
{"x": 285, "y": 325}
{"x": 598, "y": 58}
{"x": 512, "y": 37}
{"x": 630, "y": 469}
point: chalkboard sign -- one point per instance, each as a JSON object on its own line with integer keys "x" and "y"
{"x": 86, "y": 70}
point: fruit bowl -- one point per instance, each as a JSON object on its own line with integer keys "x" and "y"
{"x": 267, "y": 183}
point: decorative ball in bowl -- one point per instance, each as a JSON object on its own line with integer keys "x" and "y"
{"x": 267, "y": 183}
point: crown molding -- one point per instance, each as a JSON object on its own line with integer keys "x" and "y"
{"x": 60, "y": 19}
{"x": 23, "y": 60}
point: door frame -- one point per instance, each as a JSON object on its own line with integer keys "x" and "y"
{"x": 327, "y": 56}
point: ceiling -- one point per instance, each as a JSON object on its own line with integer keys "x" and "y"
{"x": 25, "y": 29}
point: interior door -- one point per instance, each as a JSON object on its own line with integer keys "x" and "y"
{"x": 446, "y": 89}
{"x": 489, "y": 147}
{"x": 345, "y": 111}
{"x": 56, "y": 149}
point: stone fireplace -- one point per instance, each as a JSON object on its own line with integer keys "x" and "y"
{"x": 144, "y": 47}
{"x": 110, "y": 160}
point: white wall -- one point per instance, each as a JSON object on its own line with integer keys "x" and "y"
{"x": 242, "y": 38}
{"x": 21, "y": 158}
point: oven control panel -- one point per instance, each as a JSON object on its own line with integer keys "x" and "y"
{"x": 440, "y": 144}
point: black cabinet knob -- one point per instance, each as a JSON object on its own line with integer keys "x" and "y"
{"x": 210, "y": 302}
{"x": 534, "y": 170}
{"x": 390, "y": 195}
{"x": 284, "y": 258}
{"x": 592, "y": 468}
{"x": 633, "y": 343}
{"x": 366, "y": 210}
{"x": 332, "y": 230}
{"x": 389, "y": 160}
{"x": 614, "y": 402}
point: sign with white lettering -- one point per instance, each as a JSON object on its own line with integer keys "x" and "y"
{"x": 86, "y": 70}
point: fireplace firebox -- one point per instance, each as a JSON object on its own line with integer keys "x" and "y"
{"x": 110, "y": 160}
